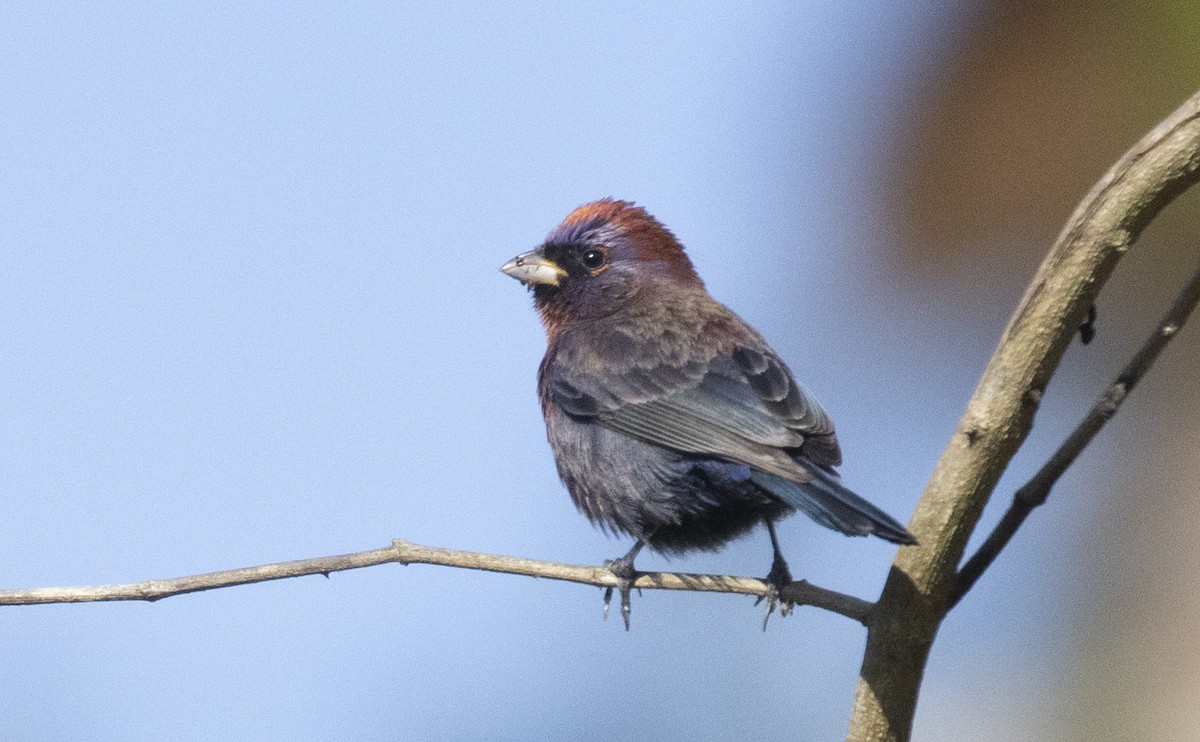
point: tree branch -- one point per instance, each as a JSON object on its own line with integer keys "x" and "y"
{"x": 405, "y": 552}
{"x": 917, "y": 596}
{"x": 1037, "y": 489}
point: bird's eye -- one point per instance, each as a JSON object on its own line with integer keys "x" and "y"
{"x": 593, "y": 258}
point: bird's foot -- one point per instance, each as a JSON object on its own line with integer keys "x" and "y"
{"x": 778, "y": 578}
{"x": 623, "y": 569}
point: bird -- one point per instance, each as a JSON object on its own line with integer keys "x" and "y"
{"x": 670, "y": 418}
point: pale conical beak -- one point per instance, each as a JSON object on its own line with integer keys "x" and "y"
{"x": 533, "y": 268}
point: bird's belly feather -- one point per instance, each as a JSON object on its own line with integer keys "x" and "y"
{"x": 672, "y": 500}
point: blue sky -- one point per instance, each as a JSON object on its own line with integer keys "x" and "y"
{"x": 250, "y": 312}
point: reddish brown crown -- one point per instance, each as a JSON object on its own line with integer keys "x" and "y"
{"x": 611, "y": 221}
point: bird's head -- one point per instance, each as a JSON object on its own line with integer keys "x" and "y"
{"x": 602, "y": 256}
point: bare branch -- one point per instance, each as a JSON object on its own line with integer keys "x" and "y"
{"x": 404, "y": 552}
{"x": 905, "y": 621}
{"x": 152, "y": 590}
{"x": 1037, "y": 489}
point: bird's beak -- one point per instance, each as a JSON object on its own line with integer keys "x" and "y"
{"x": 533, "y": 268}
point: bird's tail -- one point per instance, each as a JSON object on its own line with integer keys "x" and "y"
{"x": 827, "y": 501}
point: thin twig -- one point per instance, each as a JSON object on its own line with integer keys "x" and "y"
{"x": 1037, "y": 489}
{"x": 404, "y": 552}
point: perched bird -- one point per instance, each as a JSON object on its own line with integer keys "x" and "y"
{"x": 670, "y": 418}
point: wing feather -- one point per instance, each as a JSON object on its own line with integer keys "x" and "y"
{"x": 743, "y": 407}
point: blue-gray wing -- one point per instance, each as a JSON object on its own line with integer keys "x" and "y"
{"x": 743, "y": 407}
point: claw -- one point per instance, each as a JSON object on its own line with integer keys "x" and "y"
{"x": 770, "y": 606}
{"x": 778, "y": 578}
{"x": 624, "y": 571}
{"x": 774, "y": 599}
{"x": 626, "y": 608}
{"x": 626, "y": 574}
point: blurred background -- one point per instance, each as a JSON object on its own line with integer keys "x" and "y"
{"x": 250, "y": 311}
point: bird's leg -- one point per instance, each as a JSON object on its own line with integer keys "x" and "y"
{"x": 778, "y": 578}
{"x": 623, "y": 569}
